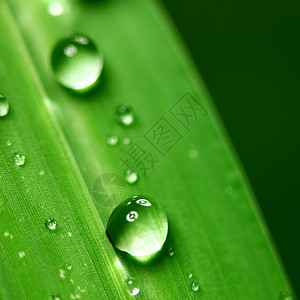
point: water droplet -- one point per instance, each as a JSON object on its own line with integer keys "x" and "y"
{"x": 21, "y": 254}
{"x": 55, "y": 9}
{"x": 69, "y": 267}
{"x": 8, "y": 143}
{"x": 189, "y": 275}
{"x": 284, "y": 295}
{"x": 131, "y": 176}
{"x": 124, "y": 115}
{"x": 193, "y": 154}
{"x": 133, "y": 286}
{"x": 7, "y": 234}
{"x": 126, "y": 141}
{"x": 228, "y": 190}
{"x": 62, "y": 273}
{"x": 75, "y": 296}
{"x": 19, "y": 158}
{"x": 195, "y": 286}
{"x": 4, "y": 106}
{"x": 55, "y": 297}
{"x": 42, "y": 173}
{"x": 58, "y": 7}
{"x": 69, "y": 234}
{"x": 76, "y": 62}
{"x": 171, "y": 252}
{"x": 51, "y": 224}
{"x": 112, "y": 140}
{"x": 80, "y": 289}
{"x": 138, "y": 226}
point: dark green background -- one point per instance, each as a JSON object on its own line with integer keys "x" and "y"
{"x": 248, "y": 54}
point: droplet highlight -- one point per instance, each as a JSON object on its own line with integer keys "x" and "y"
{"x": 138, "y": 226}
{"x": 19, "y": 158}
{"x": 133, "y": 286}
{"x": 76, "y": 62}
{"x": 131, "y": 176}
{"x": 51, "y": 224}
{"x": 189, "y": 275}
{"x": 124, "y": 115}
{"x": 4, "y": 106}
{"x": 112, "y": 140}
{"x": 195, "y": 286}
{"x": 126, "y": 141}
{"x": 171, "y": 252}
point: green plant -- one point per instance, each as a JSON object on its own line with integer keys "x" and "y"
{"x": 215, "y": 229}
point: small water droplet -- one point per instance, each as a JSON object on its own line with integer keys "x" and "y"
{"x": 80, "y": 289}
{"x": 138, "y": 226}
{"x": 55, "y": 9}
{"x": 133, "y": 286}
{"x": 51, "y": 224}
{"x": 4, "y": 106}
{"x": 195, "y": 286}
{"x": 21, "y": 254}
{"x": 75, "y": 296}
{"x": 193, "y": 154}
{"x": 228, "y": 190}
{"x": 19, "y": 158}
{"x": 112, "y": 140}
{"x": 171, "y": 252}
{"x": 62, "y": 273}
{"x": 76, "y": 62}
{"x": 284, "y": 295}
{"x": 124, "y": 115}
{"x": 189, "y": 275}
{"x": 69, "y": 234}
{"x": 126, "y": 141}
{"x": 69, "y": 267}
{"x": 8, "y": 143}
{"x": 7, "y": 234}
{"x": 55, "y": 297}
{"x": 131, "y": 177}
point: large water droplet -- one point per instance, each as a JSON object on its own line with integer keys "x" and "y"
{"x": 195, "y": 286}
{"x": 124, "y": 115}
{"x": 131, "y": 177}
{"x": 19, "y": 158}
{"x": 76, "y": 62}
{"x": 51, "y": 224}
{"x": 138, "y": 226}
{"x": 4, "y": 106}
{"x": 133, "y": 286}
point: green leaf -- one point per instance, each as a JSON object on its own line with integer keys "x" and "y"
{"x": 215, "y": 228}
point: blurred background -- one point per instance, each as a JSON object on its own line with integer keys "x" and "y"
{"x": 248, "y": 54}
